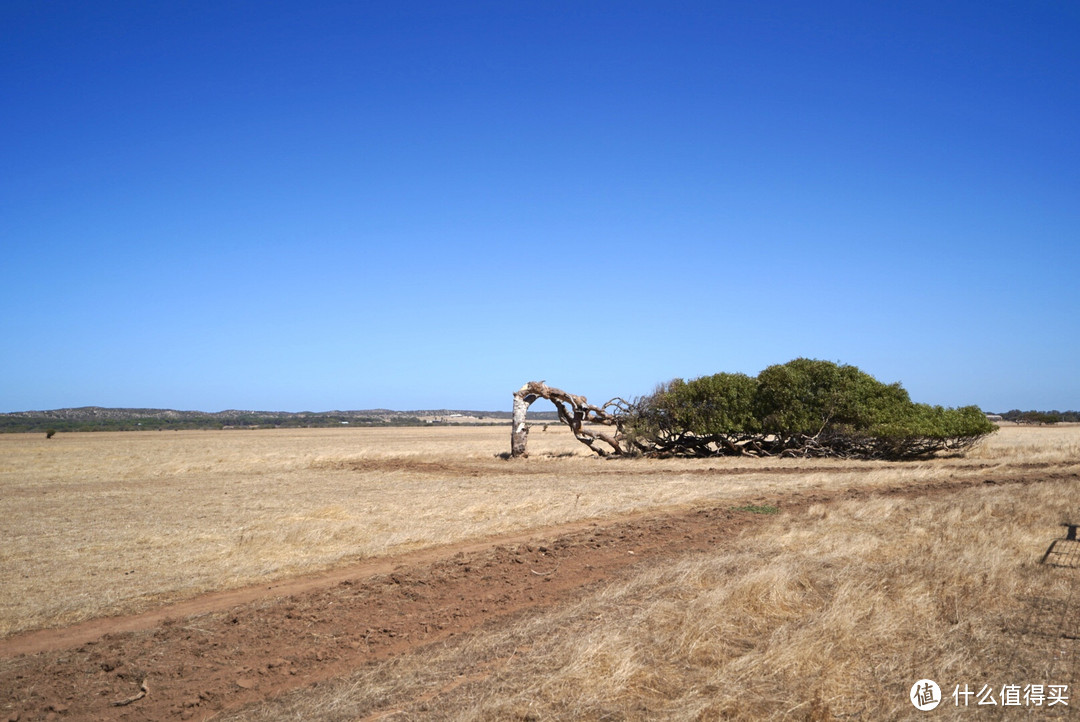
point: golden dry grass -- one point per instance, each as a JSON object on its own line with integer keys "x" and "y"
{"x": 106, "y": 523}
{"x": 828, "y": 613}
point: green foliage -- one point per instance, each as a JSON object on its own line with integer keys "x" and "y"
{"x": 711, "y": 407}
{"x": 722, "y": 403}
{"x": 804, "y": 396}
{"x": 1041, "y": 417}
{"x": 805, "y": 407}
{"x": 758, "y": 509}
{"x": 1037, "y": 417}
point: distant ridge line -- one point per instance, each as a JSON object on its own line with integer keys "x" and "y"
{"x": 126, "y": 412}
{"x": 100, "y": 418}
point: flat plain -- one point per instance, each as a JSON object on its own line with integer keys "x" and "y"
{"x": 433, "y": 579}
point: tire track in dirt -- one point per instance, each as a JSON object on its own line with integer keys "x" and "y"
{"x": 224, "y": 651}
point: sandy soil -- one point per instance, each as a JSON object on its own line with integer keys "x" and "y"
{"x": 224, "y": 651}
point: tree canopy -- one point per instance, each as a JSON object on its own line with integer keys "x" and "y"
{"x": 805, "y": 407}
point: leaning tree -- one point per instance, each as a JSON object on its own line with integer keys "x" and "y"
{"x": 804, "y": 408}
{"x": 574, "y": 411}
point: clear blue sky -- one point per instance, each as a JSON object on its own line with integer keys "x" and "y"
{"x": 347, "y": 205}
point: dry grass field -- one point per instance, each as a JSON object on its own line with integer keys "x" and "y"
{"x": 108, "y": 523}
{"x": 831, "y": 616}
{"x": 830, "y": 611}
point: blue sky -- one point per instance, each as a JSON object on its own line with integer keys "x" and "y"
{"x": 348, "y": 205}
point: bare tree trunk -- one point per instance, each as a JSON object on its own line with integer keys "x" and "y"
{"x": 519, "y": 433}
{"x": 574, "y": 411}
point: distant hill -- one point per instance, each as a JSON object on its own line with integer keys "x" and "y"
{"x": 97, "y": 418}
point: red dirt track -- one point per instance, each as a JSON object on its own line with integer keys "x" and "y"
{"x": 224, "y": 651}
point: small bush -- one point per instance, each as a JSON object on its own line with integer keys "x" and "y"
{"x": 758, "y": 509}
